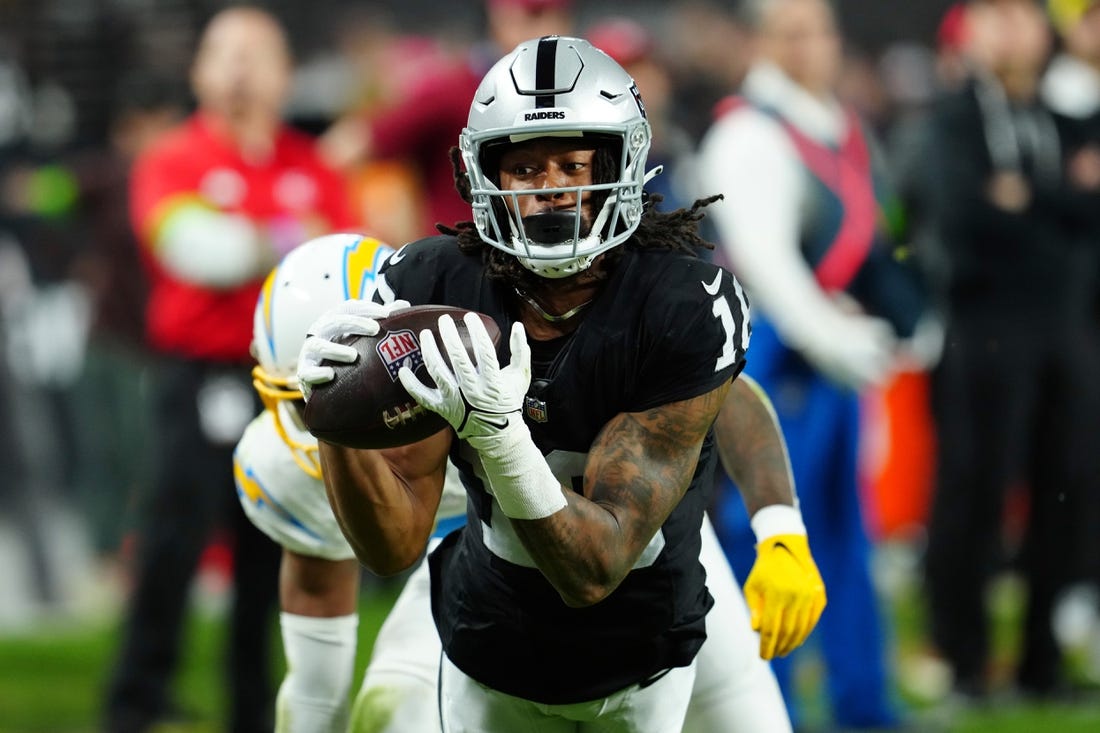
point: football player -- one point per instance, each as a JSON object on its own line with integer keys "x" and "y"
{"x": 574, "y": 599}
{"x": 280, "y": 487}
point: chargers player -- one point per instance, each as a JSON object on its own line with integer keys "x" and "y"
{"x": 279, "y": 484}
{"x": 574, "y": 599}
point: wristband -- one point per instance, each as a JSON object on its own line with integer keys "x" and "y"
{"x": 776, "y": 519}
{"x": 520, "y": 478}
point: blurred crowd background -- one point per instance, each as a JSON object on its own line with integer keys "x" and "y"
{"x": 85, "y": 85}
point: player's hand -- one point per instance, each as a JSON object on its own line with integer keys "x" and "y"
{"x": 350, "y": 318}
{"x": 855, "y": 350}
{"x": 477, "y": 399}
{"x": 482, "y": 401}
{"x": 785, "y": 594}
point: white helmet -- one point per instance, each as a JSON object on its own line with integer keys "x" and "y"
{"x": 309, "y": 280}
{"x": 557, "y": 87}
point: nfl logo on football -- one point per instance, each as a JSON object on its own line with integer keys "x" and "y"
{"x": 398, "y": 349}
{"x": 535, "y": 408}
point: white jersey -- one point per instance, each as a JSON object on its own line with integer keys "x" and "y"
{"x": 290, "y": 506}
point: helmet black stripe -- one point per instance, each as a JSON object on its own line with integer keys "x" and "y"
{"x": 545, "y": 66}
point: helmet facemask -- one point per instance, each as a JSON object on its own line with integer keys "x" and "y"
{"x": 274, "y": 392}
{"x": 560, "y": 243}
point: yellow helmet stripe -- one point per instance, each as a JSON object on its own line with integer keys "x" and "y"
{"x": 362, "y": 259}
{"x": 267, "y": 298}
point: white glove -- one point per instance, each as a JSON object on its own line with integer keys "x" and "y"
{"x": 856, "y": 351}
{"x": 350, "y": 318}
{"x": 478, "y": 400}
{"x": 483, "y": 402}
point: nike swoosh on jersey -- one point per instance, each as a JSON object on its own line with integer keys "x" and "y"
{"x": 398, "y": 255}
{"x": 712, "y": 288}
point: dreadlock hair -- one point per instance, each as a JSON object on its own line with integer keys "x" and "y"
{"x": 675, "y": 230}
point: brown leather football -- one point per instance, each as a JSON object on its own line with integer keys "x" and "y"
{"x": 365, "y": 406}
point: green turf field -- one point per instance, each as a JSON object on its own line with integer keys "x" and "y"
{"x": 51, "y": 680}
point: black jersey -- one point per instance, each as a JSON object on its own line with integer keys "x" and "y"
{"x": 666, "y": 327}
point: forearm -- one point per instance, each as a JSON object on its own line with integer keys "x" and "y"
{"x": 573, "y": 541}
{"x": 385, "y": 520}
{"x": 578, "y": 549}
{"x": 636, "y": 474}
{"x": 751, "y": 447}
{"x": 784, "y": 591}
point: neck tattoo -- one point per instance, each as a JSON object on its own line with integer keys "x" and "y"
{"x": 549, "y": 316}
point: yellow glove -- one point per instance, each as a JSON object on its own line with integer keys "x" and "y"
{"x": 785, "y": 594}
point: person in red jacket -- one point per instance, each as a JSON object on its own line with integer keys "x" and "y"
{"x": 423, "y": 124}
{"x": 214, "y": 203}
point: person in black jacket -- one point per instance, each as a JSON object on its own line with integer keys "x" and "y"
{"x": 1014, "y": 389}
{"x": 1071, "y": 87}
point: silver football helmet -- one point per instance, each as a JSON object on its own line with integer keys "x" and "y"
{"x": 312, "y": 278}
{"x": 557, "y": 86}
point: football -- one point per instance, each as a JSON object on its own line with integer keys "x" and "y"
{"x": 365, "y": 406}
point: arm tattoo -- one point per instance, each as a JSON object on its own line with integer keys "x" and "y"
{"x": 638, "y": 470}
